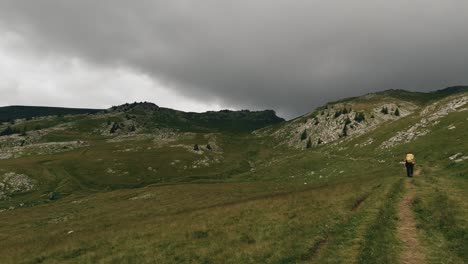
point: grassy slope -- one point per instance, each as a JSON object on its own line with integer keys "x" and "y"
{"x": 322, "y": 205}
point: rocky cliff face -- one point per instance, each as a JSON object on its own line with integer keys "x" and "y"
{"x": 341, "y": 120}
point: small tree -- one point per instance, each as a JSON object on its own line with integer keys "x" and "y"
{"x": 347, "y": 121}
{"x": 345, "y": 111}
{"x": 114, "y": 128}
{"x": 7, "y": 131}
{"x": 345, "y": 131}
{"x": 208, "y": 146}
{"x": 319, "y": 141}
{"x": 338, "y": 113}
{"x": 304, "y": 135}
{"x": 384, "y": 110}
{"x": 132, "y": 128}
{"x": 359, "y": 117}
{"x": 397, "y": 112}
{"x": 196, "y": 148}
{"x": 309, "y": 143}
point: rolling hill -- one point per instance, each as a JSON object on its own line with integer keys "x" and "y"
{"x": 138, "y": 183}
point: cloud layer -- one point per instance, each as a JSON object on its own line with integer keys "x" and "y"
{"x": 285, "y": 55}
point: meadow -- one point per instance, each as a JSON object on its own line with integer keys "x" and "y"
{"x": 248, "y": 199}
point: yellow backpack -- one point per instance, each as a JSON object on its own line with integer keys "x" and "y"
{"x": 410, "y": 158}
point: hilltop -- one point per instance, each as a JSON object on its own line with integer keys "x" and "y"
{"x": 142, "y": 183}
{"x": 224, "y": 120}
{"x": 357, "y": 116}
{"x": 10, "y": 113}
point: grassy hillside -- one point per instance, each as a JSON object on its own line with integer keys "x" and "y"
{"x": 143, "y": 184}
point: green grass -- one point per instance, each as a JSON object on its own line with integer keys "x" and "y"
{"x": 380, "y": 241}
{"x": 183, "y": 223}
{"x": 441, "y": 210}
{"x": 141, "y": 201}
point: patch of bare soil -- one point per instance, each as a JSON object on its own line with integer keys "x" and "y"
{"x": 413, "y": 251}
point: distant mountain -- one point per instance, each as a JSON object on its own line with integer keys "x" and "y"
{"x": 9, "y": 113}
{"x": 178, "y": 187}
{"x": 224, "y": 120}
{"x": 152, "y": 116}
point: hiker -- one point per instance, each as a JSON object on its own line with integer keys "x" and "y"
{"x": 409, "y": 163}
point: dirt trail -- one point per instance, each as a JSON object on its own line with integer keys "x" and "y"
{"x": 413, "y": 251}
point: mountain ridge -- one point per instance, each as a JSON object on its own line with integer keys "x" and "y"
{"x": 180, "y": 187}
{"x": 10, "y": 111}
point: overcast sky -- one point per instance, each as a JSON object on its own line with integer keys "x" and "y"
{"x": 286, "y": 55}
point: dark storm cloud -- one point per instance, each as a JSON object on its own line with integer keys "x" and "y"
{"x": 286, "y": 55}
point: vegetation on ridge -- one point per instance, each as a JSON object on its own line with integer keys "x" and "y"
{"x": 173, "y": 187}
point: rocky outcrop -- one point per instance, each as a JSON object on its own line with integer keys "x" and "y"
{"x": 12, "y": 182}
{"x": 429, "y": 117}
{"x": 339, "y": 121}
{"x": 40, "y": 149}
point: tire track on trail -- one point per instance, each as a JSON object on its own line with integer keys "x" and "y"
{"x": 413, "y": 251}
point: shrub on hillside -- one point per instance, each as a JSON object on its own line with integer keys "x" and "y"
{"x": 359, "y": 117}
{"x": 9, "y": 131}
{"x": 345, "y": 131}
{"x": 384, "y": 110}
{"x": 114, "y": 128}
{"x": 347, "y": 121}
{"x": 338, "y": 113}
{"x": 304, "y": 135}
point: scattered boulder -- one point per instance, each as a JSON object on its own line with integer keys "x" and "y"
{"x": 456, "y": 156}
{"x": 142, "y": 196}
{"x": 53, "y": 196}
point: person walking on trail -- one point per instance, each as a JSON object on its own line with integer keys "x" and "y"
{"x": 409, "y": 163}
